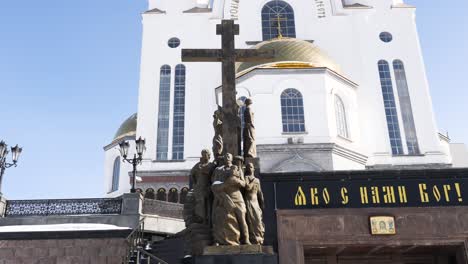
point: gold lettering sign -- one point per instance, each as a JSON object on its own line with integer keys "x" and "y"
{"x": 382, "y": 225}
{"x": 352, "y": 195}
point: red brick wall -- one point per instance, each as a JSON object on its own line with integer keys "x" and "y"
{"x": 63, "y": 251}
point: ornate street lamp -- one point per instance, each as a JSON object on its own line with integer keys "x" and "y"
{"x": 137, "y": 157}
{"x": 15, "y": 154}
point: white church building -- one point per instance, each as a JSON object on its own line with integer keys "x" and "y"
{"x": 347, "y": 90}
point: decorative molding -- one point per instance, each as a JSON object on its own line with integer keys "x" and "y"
{"x": 63, "y": 207}
{"x": 357, "y": 6}
{"x": 116, "y": 142}
{"x": 164, "y": 173}
{"x": 155, "y": 11}
{"x": 198, "y": 10}
{"x": 247, "y": 74}
{"x": 403, "y": 5}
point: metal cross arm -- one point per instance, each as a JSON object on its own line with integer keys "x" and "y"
{"x": 228, "y": 55}
{"x": 216, "y": 55}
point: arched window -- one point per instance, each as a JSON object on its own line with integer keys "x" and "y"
{"x": 179, "y": 114}
{"x": 341, "y": 119}
{"x": 292, "y": 111}
{"x": 161, "y": 195}
{"x": 183, "y": 195}
{"x": 406, "y": 108}
{"x": 173, "y": 195}
{"x": 278, "y": 20}
{"x": 163, "y": 112}
{"x": 149, "y": 194}
{"x": 390, "y": 108}
{"x": 115, "y": 175}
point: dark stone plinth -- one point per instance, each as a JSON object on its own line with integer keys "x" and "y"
{"x": 236, "y": 259}
{"x": 244, "y": 254}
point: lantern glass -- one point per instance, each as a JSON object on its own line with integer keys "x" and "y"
{"x": 16, "y": 152}
{"x": 140, "y": 146}
{"x": 124, "y": 146}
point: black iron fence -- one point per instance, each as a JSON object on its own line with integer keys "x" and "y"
{"x": 101, "y": 206}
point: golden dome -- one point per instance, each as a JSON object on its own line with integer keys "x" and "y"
{"x": 291, "y": 53}
{"x": 128, "y": 128}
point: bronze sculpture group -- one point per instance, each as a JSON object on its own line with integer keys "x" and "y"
{"x": 225, "y": 205}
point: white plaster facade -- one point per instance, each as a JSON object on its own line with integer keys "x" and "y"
{"x": 347, "y": 31}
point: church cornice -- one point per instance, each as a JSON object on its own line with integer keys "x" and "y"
{"x": 155, "y": 11}
{"x": 247, "y": 74}
{"x": 197, "y": 10}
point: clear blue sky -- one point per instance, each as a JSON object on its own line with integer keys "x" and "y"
{"x": 69, "y": 77}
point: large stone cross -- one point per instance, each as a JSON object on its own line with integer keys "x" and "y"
{"x": 228, "y": 55}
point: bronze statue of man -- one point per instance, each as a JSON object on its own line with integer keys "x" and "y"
{"x": 200, "y": 176}
{"x": 229, "y": 211}
{"x": 254, "y": 203}
{"x": 250, "y": 148}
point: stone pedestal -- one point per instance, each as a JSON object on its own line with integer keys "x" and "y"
{"x": 245, "y": 254}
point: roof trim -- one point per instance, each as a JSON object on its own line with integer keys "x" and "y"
{"x": 357, "y": 6}
{"x": 328, "y": 70}
{"x": 155, "y": 11}
{"x": 198, "y": 10}
{"x": 116, "y": 141}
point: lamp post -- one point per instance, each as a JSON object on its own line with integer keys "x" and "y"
{"x": 15, "y": 153}
{"x": 137, "y": 157}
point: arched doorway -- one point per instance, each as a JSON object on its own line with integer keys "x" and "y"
{"x": 183, "y": 195}
{"x": 161, "y": 195}
{"x": 149, "y": 194}
{"x": 173, "y": 195}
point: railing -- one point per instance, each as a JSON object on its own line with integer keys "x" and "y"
{"x": 148, "y": 258}
{"x": 63, "y": 207}
{"x": 136, "y": 243}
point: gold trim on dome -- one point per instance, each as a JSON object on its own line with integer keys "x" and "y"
{"x": 292, "y": 65}
{"x": 291, "y": 53}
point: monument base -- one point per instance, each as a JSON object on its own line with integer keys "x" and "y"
{"x": 244, "y": 254}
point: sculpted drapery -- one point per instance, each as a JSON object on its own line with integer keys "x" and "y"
{"x": 250, "y": 149}
{"x": 226, "y": 201}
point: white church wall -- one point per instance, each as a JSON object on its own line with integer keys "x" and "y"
{"x": 347, "y": 92}
{"x": 200, "y": 82}
{"x": 405, "y": 46}
{"x": 350, "y": 39}
{"x": 459, "y": 154}
{"x": 345, "y": 163}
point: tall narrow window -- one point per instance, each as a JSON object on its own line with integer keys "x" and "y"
{"x": 390, "y": 108}
{"x": 115, "y": 175}
{"x": 278, "y": 20}
{"x": 406, "y": 108}
{"x": 163, "y": 113}
{"x": 341, "y": 120}
{"x": 179, "y": 114}
{"x": 292, "y": 111}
